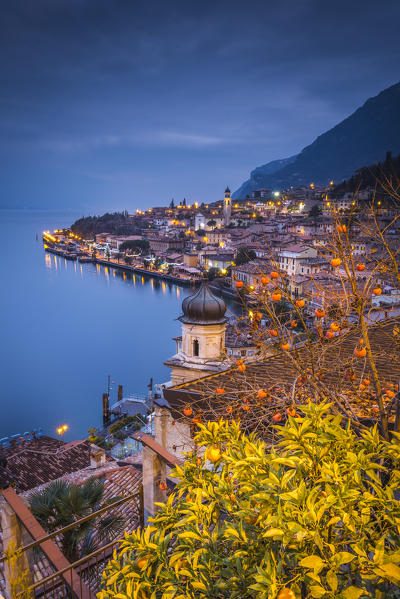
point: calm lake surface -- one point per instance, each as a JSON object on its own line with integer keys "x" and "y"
{"x": 65, "y": 326}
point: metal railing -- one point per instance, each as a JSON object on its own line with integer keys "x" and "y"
{"x": 80, "y": 579}
{"x": 60, "y": 584}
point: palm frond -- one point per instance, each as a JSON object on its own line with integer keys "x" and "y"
{"x": 110, "y": 527}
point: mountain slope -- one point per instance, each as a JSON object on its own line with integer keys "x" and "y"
{"x": 362, "y": 138}
{"x": 257, "y": 176}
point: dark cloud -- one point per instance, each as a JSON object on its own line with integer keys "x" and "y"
{"x": 123, "y": 104}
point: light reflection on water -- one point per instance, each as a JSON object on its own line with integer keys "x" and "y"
{"x": 64, "y": 328}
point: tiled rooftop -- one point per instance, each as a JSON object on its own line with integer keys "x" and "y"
{"x": 29, "y": 464}
{"x": 333, "y": 360}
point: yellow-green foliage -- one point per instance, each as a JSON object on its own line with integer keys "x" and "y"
{"x": 17, "y": 575}
{"x": 318, "y": 514}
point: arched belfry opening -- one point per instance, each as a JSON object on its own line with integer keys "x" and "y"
{"x": 203, "y": 327}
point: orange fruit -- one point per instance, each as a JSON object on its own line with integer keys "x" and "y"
{"x": 360, "y": 352}
{"x": 273, "y": 333}
{"x": 239, "y": 284}
{"x": 377, "y": 291}
{"x": 277, "y": 417}
{"x": 276, "y": 297}
{"x": 285, "y": 346}
{"x": 300, "y": 303}
{"x": 335, "y": 262}
{"x": 241, "y": 367}
{"x": 274, "y": 274}
{"x": 188, "y": 411}
{"x": 219, "y": 390}
{"x": 334, "y": 326}
{"x": 329, "y": 334}
{"x": 291, "y": 412}
{"x": 286, "y": 593}
{"x": 360, "y": 267}
{"x": 213, "y": 454}
{"x": 142, "y": 562}
{"x": 261, "y": 394}
{"x": 319, "y": 313}
{"x": 265, "y": 280}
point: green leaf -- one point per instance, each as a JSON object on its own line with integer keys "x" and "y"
{"x": 200, "y": 586}
{"x": 314, "y": 562}
{"x": 390, "y": 570}
{"x": 332, "y": 580}
{"x": 231, "y": 532}
{"x": 343, "y": 557}
{"x": 189, "y": 535}
{"x": 273, "y": 532}
{"x": 379, "y": 551}
{"x": 317, "y": 591}
{"x": 353, "y": 592}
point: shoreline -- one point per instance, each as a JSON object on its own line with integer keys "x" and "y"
{"x": 126, "y": 267}
{"x": 224, "y": 291}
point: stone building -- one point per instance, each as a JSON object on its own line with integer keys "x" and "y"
{"x": 201, "y": 348}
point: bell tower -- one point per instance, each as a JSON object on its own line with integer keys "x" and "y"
{"x": 200, "y": 350}
{"x": 227, "y": 207}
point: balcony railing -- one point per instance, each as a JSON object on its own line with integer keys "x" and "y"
{"x": 53, "y": 576}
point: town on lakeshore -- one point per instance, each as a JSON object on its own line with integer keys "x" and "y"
{"x": 315, "y": 271}
{"x": 201, "y": 373}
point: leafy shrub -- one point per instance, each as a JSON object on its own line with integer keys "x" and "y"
{"x": 104, "y": 444}
{"x": 317, "y": 515}
{"x": 119, "y": 424}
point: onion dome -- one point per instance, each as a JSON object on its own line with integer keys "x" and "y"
{"x": 203, "y": 307}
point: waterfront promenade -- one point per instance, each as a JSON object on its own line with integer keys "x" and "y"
{"x": 180, "y": 279}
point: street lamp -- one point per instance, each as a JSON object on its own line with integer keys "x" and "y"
{"x": 62, "y": 430}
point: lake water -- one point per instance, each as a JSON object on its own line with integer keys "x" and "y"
{"x": 66, "y": 326}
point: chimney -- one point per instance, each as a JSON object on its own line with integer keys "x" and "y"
{"x": 120, "y": 391}
{"x": 97, "y": 456}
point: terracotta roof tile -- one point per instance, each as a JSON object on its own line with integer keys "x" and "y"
{"x": 334, "y": 359}
{"x": 31, "y": 463}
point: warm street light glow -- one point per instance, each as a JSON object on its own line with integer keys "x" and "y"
{"x": 48, "y": 236}
{"x": 62, "y": 429}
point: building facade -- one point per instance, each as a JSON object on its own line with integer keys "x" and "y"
{"x": 200, "y": 350}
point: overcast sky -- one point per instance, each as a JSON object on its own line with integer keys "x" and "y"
{"x": 120, "y": 104}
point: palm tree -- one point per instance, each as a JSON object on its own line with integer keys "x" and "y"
{"x": 62, "y": 503}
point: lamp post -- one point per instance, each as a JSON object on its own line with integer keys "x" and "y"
{"x": 62, "y": 429}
